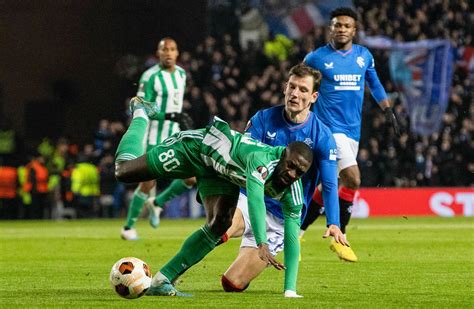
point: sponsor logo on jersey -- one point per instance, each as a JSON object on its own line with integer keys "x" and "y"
{"x": 360, "y": 61}
{"x": 271, "y": 135}
{"x": 329, "y": 66}
{"x": 347, "y": 77}
{"x": 333, "y": 154}
{"x": 295, "y": 215}
{"x": 308, "y": 142}
{"x": 347, "y": 81}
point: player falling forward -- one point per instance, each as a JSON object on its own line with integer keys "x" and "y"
{"x": 279, "y": 126}
{"x": 163, "y": 84}
{"x": 222, "y": 161}
{"x": 345, "y": 68}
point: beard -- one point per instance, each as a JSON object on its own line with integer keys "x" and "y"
{"x": 277, "y": 182}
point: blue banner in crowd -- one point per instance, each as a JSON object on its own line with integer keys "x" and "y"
{"x": 295, "y": 18}
{"x": 422, "y": 72}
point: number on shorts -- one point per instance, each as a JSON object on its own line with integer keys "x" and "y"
{"x": 168, "y": 160}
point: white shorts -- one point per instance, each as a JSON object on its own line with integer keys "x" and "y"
{"x": 275, "y": 229}
{"x": 347, "y": 149}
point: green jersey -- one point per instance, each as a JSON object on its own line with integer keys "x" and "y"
{"x": 218, "y": 151}
{"x": 166, "y": 90}
{"x": 249, "y": 164}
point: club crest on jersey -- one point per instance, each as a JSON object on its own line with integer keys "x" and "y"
{"x": 261, "y": 173}
{"x": 308, "y": 142}
{"x": 271, "y": 135}
{"x": 329, "y": 66}
{"x": 360, "y": 61}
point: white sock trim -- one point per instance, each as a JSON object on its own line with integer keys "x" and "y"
{"x": 158, "y": 279}
{"x": 140, "y": 113}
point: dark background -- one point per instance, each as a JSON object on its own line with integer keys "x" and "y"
{"x": 58, "y": 58}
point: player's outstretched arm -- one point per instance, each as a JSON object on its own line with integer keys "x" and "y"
{"x": 266, "y": 256}
{"x": 292, "y": 205}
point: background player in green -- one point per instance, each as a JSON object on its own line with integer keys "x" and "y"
{"x": 164, "y": 85}
{"x": 222, "y": 160}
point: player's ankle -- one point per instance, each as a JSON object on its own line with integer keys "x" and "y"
{"x": 158, "y": 278}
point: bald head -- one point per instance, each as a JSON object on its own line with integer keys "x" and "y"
{"x": 302, "y": 149}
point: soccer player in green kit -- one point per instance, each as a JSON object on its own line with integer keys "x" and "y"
{"x": 163, "y": 84}
{"x": 223, "y": 161}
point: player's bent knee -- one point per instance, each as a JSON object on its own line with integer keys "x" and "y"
{"x": 120, "y": 174}
{"x": 228, "y": 286}
{"x": 220, "y": 224}
{"x": 354, "y": 183}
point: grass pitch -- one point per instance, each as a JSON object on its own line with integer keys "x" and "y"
{"x": 403, "y": 263}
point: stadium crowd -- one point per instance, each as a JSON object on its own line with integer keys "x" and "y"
{"x": 233, "y": 82}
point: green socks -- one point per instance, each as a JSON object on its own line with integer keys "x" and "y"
{"x": 129, "y": 148}
{"x": 131, "y": 144}
{"x": 194, "y": 249}
{"x": 175, "y": 189}
{"x": 136, "y": 206}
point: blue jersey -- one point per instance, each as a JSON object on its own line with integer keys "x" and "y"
{"x": 339, "y": 104}
{"x": 271, "y": 127}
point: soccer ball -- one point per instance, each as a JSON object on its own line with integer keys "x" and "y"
{"x": 130, "y": 277}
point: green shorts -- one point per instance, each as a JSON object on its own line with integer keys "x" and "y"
{"x": 178, "y": 156}
{"x": 215, "y": 185}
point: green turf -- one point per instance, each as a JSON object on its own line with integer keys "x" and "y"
{"x": 403, "y": 263}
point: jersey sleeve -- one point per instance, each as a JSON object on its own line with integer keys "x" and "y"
{"x": 375, "y": 86}
{"x": 255, "y": 127}
{"x": 292, "y": 203}
{"x": 141, "y": 86}
{"x": 326, "y": 153}
{"x": 256, "y": 174}
{"x": 310, "y": 60}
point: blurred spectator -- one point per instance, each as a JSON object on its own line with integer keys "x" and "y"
{"x": 9, "y": 202}
{"x": 36, "y": 185}
{"x": 253, "y": 27}
{"x": 108, "y": 184}
{"x": 278, "y": 48}
{"x": 102, "y": 135}
{"x": 9, "y": 143}
{"x": 85, "y": 186}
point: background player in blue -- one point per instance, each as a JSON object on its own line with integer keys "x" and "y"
{"x": 345, "y": 68}
{"x": 281, "y": 125}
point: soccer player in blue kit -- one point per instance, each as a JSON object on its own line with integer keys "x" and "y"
{"x": 281, "y": 125}
{"x": 345, "y": 68}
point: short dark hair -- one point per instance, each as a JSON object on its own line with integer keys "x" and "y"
{"x": 166, "y": 38}
{"x": 302, "y": 149}
{"x": 344, "y": 11}
{"x": 302, "y": 70}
